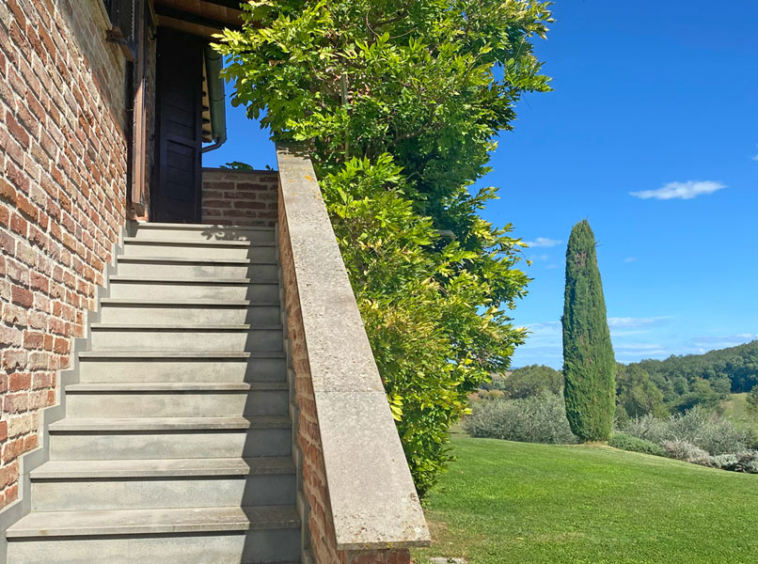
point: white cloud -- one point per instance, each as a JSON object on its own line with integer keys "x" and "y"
{"x": 551, "y": 266}
{"x": 634, "y": 322}
{"x": 630, "y": 259}
{"x": 755, "y": 158}
{"x": 644, "y": 348}
{"x": 680, "y": 190}
{"x": 724, "y": 341}
{"x": 546, "y": 328}
{"x": 543, "y": 242}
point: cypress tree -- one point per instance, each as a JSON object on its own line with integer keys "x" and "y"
{"x": 589, "y": 366}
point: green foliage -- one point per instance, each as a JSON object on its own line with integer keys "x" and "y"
{"x": 588, "y": 363}
{"x": 399, "y": 103}
{"x": 752, "y": 400}
{"x": 633, "y": 444}
{"x": 538, "y": 419}
{"x": 637, "y": 394}
{"x": 529, "y": 381}
{"x": 237, "y": 165}
{"x": 745, "y": 461}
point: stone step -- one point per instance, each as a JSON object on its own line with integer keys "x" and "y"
{"x": 150, "y": 288}
{"x": 129, "y": 366}
{"x": 143, "y": 438}
{"x": 176, "y": 399}
{"x": 144, "y": 484}
{"x": 206, "y": 268}
{"x": 170, "y": 468}
{"x": 181, "y": 248}
{"x": 190, "y": 312}
{"x": 222, "y": 535}
{"x": 196, "y": 232}
{"x": 195, "y": 338}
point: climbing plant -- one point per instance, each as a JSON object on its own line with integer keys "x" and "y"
{"x": 400, "y": 103}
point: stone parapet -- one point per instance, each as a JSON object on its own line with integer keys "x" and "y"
{"x": 362, "y": 505}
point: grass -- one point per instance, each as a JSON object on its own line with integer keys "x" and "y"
{"x": 736, "y": 409}
{"x": 506, "y": 502}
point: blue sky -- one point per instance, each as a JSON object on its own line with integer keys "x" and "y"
{"x": 651, "y": 134}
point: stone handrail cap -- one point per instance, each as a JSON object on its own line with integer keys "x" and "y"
{"x": 371, "y": 493}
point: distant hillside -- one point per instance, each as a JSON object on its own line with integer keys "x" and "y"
{"x": 702, "y": 378}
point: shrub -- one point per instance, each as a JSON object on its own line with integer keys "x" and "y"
{"x": 539, "y": 419}
{"x": 707, "y": 431}
{"x": 529, "y": 381}
{"x": 400, "y": 104}
{"x": 687, "y": 452}
{"x": 752, "y": 400}
{"x": 633, "y": 444}
{"x": 746, "y": 461}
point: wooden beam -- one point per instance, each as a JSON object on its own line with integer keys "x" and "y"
{"x": 233, "y": 4}
{"x": 196, "y": 19}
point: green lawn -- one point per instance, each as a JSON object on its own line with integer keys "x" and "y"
{"x": 736, "y": 409}
{"x": 517, "y": 503}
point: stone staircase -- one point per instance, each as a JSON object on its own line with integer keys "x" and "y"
{"x": 176, "y": 444}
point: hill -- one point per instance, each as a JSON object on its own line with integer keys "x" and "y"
{"x": 702, "y": 378}
{"x": 548, "y": 504}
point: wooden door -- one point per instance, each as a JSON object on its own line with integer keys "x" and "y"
{"x": 177, "y": 194}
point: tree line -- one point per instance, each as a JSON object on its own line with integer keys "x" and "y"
{"x": 655, "y": 387}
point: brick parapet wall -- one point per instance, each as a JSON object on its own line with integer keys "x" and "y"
{"x": 321, "y": 534}
{"x": 62, "y": 199}
{"x": 320, "y": 524}
{"x": 240, "y": 197}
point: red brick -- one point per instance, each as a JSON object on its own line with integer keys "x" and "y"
{"x": 16, "y": 130}
{"x": 7, "y": 192}
{"x": 33, "y": 339}
{"x": 14, "y": 359}
{"x": 22, "y": 296}
{"x": 26, "y": 207}
{"x": 19, "y": 381}
{"x": 19, "y": 224}
{"x": 62, "y": 346}
{"x": 9, "y": 474}
{"x": 11, "y": 494}
{"x": 30, "y": 442}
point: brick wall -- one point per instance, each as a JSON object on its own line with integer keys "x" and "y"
{"x": 240, "y": 197}
{"x": 62, "y": 199}
{"x": 321, "y": 535}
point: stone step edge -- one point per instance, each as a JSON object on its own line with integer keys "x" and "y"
{"x": 57, "y": 470}
{"x": 179, "y": 355}
{"x": 192, "y": 281}
{"x": 153, "y": 521}
{"x": 196, "y": 261}
{"x": 193, "y": 243}
{"x": 182, "y": 328}
{"x": 200, "y": 227}
{"x": 177, "y": 387}
{"x": 95, "y": 425}
{"x": 126, "y": 302}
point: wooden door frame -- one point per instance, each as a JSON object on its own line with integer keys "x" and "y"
{"x": 138, "y": 189}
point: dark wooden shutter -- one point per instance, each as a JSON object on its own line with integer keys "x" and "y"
{"x": 123, "y": 25}
{"x": 176, "y": 194}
